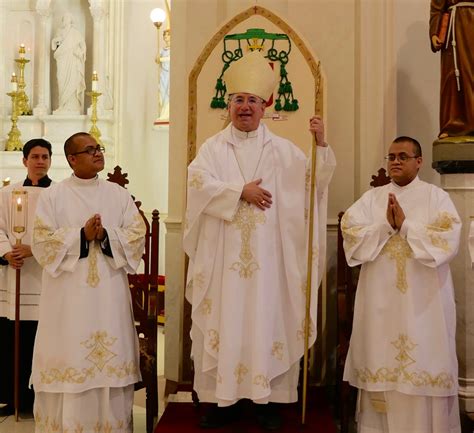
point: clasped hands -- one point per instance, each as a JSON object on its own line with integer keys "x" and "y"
{"x": 93, "y": 229}
{"x": 395, "y": 214}
{"x": 16, "y": 257}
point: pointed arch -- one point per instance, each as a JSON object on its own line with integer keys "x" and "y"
{"x": 313, "y": 65}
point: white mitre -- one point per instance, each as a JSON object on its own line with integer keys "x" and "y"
{"x": 251, "y": 74}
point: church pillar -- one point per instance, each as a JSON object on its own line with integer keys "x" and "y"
{"x": 460, "y": 187}
{"x": 43, "y": 81}
{"x": 99, "y": 11}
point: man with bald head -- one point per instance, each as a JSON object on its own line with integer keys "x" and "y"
{"x": 246, "y": 238}
{"x": 402, "y": 354}
{"x": 88, "y": 235}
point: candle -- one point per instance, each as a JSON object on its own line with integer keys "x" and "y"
{"x": 14, "y": 83}
{"x": 19, "y": 213}
{"x": 22, "y": 51}
{"x": 95, "y": 82}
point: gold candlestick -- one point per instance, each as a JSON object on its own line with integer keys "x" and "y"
{"x": 94, "y": 94}
{"x": 14, "y": 142}
{"x": 23, "y": 107}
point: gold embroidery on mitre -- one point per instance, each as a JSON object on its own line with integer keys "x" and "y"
{"x": 196, "y": 181}
{"x": 262, "y": 381}
{"x": 399, "y": 250}
{"x": 246, "y": 220}
{"x": 401, "y": 374}
{"x": 277, "y": 350}
{"x": 240, "y": 371}
{"x": 443, "y": 223}
{"x": 93, "y": 278}
{"x": 99, "y": 342}
{"x": 47, "y": 242}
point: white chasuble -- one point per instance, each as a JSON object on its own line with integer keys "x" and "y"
{"x": 86, "y": 335}
{"x": 30, "y": 277}
{"x": 246, "y": 279}
{"x": 403, "y": 336}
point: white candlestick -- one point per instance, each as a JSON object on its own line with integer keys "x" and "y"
{"x": 22, "y": 51}
{"x": 14, "y": 83}
{"x": 95, "y": 82}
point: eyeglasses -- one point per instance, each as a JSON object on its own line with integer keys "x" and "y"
{"x": 91, "y": 150}
{"x": 251, "y": 100}
{"x": 402, "y": 157}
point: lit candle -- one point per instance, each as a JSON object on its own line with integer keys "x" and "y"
{"x": 19, "y": 213}
{"x": 95, "y": 82}
{"x": 22, "y": 51}
{"x": 14, "y": 83}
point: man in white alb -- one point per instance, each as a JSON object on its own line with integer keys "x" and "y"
{"x": 402, "y": 354}
{"x": 37, "y": 160}
{"x": 88, "y": 235}
{"x": 245, "y": 236}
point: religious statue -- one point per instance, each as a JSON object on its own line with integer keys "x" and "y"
{"x": 164, "y": 61}
{"x": 69, "y": 49}
{"x": 452, "y": 33}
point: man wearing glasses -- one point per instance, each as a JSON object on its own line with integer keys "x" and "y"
{"x": 246, "y": 239}
{"x": 402, "y": 354}
{"x": 88, "y": 235}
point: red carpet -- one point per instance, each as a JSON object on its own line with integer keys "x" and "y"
{"x": 184, "y": 418}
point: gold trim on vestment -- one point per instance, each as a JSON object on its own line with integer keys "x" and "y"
{"x": 401, "y": 374}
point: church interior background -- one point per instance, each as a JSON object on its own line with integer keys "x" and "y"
{"x": 381, "y": 81}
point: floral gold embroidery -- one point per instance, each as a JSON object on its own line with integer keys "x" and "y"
{"x": 307, "y": 180}
{"x": 301, "y": 332}
{"x": 262, "y": 381}
{"x": 49, "y": 242}
{"x": 213, "y": 339}
{"x": 93, "y": 278}
{"x": 246, "y": 220}
{"x": 99, "y": 343}
{"x": 196, "y": 181}
{"x": 277, "y": 350}
{"x": 121, "y": 371}
{"x": 443, "y": 223}
{"x": 198, "y": 281}
{"x": 350, "y": 234}
{"x": 401, "y": 374}
{"x": 399, "y": 250}
{"x": 68, "y": 375}
{"x": 240, "y": 371}
{"x": 206, "y": 306}
{"x": 135, "y": 234}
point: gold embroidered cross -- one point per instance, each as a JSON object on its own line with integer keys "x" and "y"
{"x": 246, "y": 221}
{"x": 400, "y": 251}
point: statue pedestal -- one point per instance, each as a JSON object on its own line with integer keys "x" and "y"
{"x": 460, "y": 187}
{"x": 454, "y": 155}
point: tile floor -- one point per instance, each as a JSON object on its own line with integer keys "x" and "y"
{"x": 27, "y": 425}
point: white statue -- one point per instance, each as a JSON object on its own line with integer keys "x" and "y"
{"x": 165, "y": 76}
{"x": 69, "y": 49}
